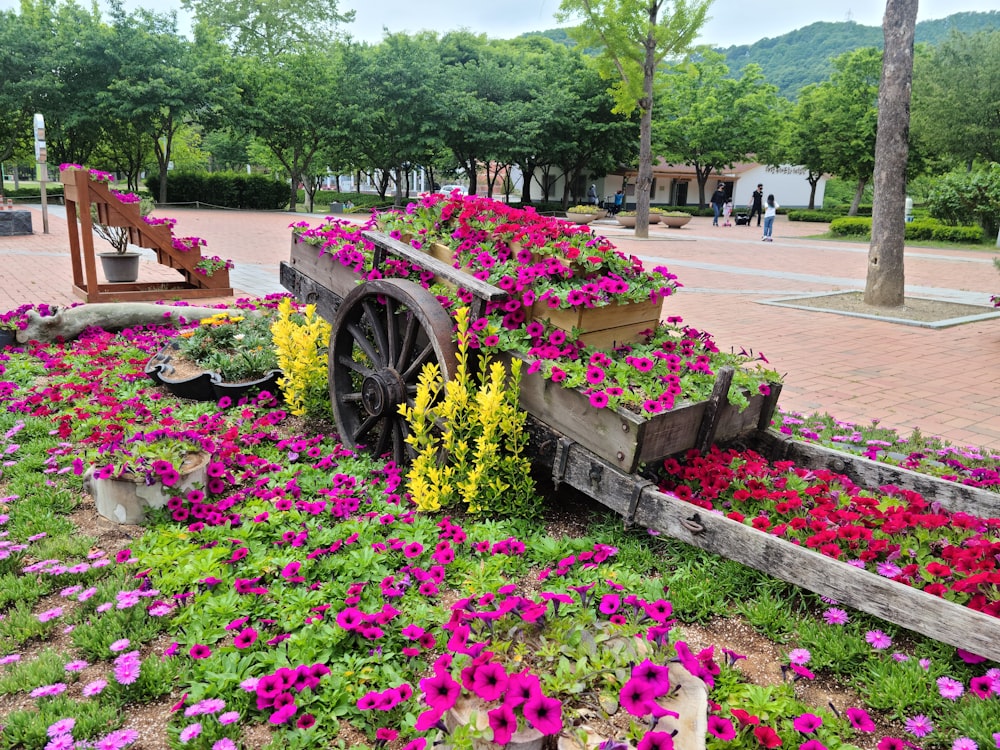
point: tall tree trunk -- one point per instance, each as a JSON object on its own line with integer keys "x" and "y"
{"x": 885, "y": 286}
{"x": 644, "y": 178}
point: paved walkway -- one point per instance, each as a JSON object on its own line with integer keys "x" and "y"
{"x": 944, "y": 381}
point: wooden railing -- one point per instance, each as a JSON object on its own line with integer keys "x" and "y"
{"x": 81, "y": 193}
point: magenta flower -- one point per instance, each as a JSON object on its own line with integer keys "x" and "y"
{"x": 799, "y": 656}
{"x": 188, "y": 733}
{"x": 860, "y": 720}
{"x": 199, "y": 651}
{"x": 878, "y": 640}
{"x": 440, "y": 691}
{"x": 656, "y": 741}
{"x": 63, "y": 726}
{"x": 919, "y": 726}
{"x": 636, "y": 697}
{"x": 489, "y": 681}
{"x": 522, "y": 687}
{"x": 812, "y": 745}
{"x": 835, "y": 616}
{"x": 544, "y": 714}
{"x": 964, "y": 743}
{"x": 245, "y": 638}
{"x": 721, "y": 728}
{"x": 950, "y": 688}
{"x": 93, "y": 689}
{"x": 503, "y": 722}
{"x": 807, "y": 723}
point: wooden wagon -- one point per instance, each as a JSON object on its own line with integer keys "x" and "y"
{"x": 399, "y": 326}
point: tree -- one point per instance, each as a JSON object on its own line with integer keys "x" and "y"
{"x": 884, "y": 286}
{"x": 847, "y": 111}
{"x": 710, "y": 120}
{"x": 266, "y": 29}
{"x": 956, "y": 91}
{"x": 801, "y": 137}
{"x": 163, "y": 84}
{"x": 392, "y": 94}
{"x": 20, "y": 48}
{"x": 634, "y": 38}
{"x": 293, "y": 121}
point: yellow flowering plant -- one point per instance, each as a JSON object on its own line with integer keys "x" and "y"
{"x": 469, "y": 437}
{"x": 301, "y": 342}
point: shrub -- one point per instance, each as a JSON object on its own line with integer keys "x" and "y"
{"x": 810, "y": 215}
{"x": 851, "y": 226}
{"x": 301, "y": 343}
{"x": 225, "y": 189}
{"x": 919, "y": 230}
{"x": 968, "y": 198}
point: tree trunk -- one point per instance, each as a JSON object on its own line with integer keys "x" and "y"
{"x": 644, "y": 178}
{"x": 813, "y": 182}
{"x": 859, "y": 191}
{"x": 885, "y": 286}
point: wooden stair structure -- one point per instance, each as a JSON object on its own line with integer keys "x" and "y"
{"x": 81, "y": 192}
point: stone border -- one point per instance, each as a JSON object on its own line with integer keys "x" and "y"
{"x": 801, "y": 302}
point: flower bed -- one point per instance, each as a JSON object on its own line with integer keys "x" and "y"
{"x": 893, "y": 533}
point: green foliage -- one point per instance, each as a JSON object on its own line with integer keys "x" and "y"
{"x": 301, "y": 343}
{"x": 806, "y": 215}
{"x": 963, "y": 197}
{"x": 918, "y": 230}
{"x": 27, "y": 728}
{"x": 45, "y": 669}
{"x": 224, "y": 189}
{"x": 240, "y": 349}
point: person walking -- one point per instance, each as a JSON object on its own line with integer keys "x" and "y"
{"x": 756, "y": 204}
{"x": 592, "y": 195}
{"x": 718, "y": 201}
{"x": 619, "y": 198}
{"x": 727, "y": 211}
{"x": 770, "y": 211}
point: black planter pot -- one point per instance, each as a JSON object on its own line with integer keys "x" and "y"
{"x": 205, "y": 386}
{"x": 236, "y": 391}
{"x": 7, "y": 338}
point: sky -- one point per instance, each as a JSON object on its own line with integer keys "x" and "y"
{"x": 732, "y": 21}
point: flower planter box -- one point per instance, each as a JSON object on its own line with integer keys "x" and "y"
{"x": 581, "y": 218}
{"x": 335, "y": 276}
{"x": 603, "y": 327}
{"x": 626, "y": 439}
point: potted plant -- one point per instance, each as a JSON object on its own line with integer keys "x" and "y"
{"x": 224, "y": 356}
{"x": 626, "y": 218}
{"x": 127, "y": 473}
{"x": 674, "y": 219}
{"x": 584, "y": 214}
{"x": 122, "y": 265}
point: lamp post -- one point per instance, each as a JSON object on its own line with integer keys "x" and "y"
{"x": 43, "y": 171}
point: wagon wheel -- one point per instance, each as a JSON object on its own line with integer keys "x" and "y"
{"x": 384, "y": 332}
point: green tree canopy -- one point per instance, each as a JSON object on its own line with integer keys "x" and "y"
{"x": 635, "y": 37}
{"x": 709, "y": 120}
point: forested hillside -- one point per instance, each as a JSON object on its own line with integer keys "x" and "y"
{"x": 803, "y": 56}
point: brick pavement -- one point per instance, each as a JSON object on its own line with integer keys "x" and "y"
{"x": 943, "y": 381}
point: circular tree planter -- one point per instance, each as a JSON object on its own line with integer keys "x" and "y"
{"x": 626, "y": 221}
{"x": 581, "y": 218}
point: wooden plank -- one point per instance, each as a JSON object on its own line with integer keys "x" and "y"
{"x": 309, "y": 290}
{"x": 481, "y": 289}
{"x": 905, "y": 606}
{"x": 952, "y": 496}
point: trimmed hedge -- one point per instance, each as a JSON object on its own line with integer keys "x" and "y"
{"x": 811, "y": 215}
{"x": 225, "y": 189}
{"x": 51, "y": 189}
{"x": 919, "y": 230}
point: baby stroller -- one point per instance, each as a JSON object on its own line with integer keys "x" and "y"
{"x": 742, "y": 219}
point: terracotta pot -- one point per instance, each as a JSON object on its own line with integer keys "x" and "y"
{"x": 125, "y": 499}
